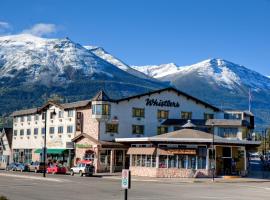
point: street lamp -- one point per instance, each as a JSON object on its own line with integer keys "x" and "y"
{"x": 45, "y": 142}
{"x": 213, "y": 156}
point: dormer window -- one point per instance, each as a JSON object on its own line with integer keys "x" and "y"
{"x": 101, "y": 109}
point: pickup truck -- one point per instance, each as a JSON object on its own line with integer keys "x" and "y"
{"x": 82, "y": 168}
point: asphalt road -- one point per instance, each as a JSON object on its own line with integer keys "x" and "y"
{"x": 30, "y": 186}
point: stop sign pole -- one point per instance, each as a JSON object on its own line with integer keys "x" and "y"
{"x": 126, "y": 182}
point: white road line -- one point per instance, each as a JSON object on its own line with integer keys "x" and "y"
{"x": 33, "y": 177}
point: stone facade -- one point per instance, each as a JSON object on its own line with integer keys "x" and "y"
{"x": 170, "y": 172}
{"x": 90, "y": 125}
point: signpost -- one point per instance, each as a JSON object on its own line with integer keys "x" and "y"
{"x": 126, "y": 181}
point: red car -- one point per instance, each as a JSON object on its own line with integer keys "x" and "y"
{"x": 56, "y": 169}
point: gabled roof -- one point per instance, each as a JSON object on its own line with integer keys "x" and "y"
{"x": 174, "y": 90}
{"x": 101, "y": 96}
{"x": 181, "y": 122}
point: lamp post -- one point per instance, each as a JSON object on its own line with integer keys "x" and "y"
{"x": 213, "y": 156}
{"x": 44, "y": 146}
{"x": 45, "y": 142}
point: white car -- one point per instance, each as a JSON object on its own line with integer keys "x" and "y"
{"x": 82, "y": 169}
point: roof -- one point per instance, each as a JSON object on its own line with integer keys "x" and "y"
{"x": 189, "y": 136}
{"x": 181, "y": 122}
{"x": 76, "y": 104}
{"x": 107, "y": 144}
{"x": 174, "y": 90}
{"x": 189, "y": 124}
{"x": 187, "y": 133}
{"x": 239, "y": 111}
{"x": 226, "y": 122}
{"x": 9, "y": 133}
{"x": 101, "y": 96}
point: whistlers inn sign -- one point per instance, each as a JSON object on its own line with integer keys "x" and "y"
{"x": 161, "y": 103}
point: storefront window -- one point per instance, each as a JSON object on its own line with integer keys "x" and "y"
{"x": 119, "y": 158}
{"x": 163, "y": 161}
{"x": 143, "y": 160}
{"x": 191, "y": 162}
{"x": 27, "y": 155}
{"x": 16, "y": 155}
{"x": 134, "y": 158}
{"x": 201, "y": 162}
{"x": 172, "y": 161}
{"x": 148, "y": 161}
{"x": 105, "y": 156}
{"x": 182, "y": 161}
{"x": 139, "y": 160}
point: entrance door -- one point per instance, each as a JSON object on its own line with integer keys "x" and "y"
{"x": 227, "y": 166}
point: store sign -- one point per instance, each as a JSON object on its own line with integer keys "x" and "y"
{"x": 82, "y": 146}
{"x": 161, "y": 103}
{"x": 125, "y": 179}
{"x": 183, "y": 151}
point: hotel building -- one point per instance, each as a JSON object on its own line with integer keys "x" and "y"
{"x": 163, "y": 133}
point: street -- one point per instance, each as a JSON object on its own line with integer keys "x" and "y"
{"x": 30, "y": 186}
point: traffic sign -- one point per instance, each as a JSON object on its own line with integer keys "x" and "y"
{"x": 126, "y": 179}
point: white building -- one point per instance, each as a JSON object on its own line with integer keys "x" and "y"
{"x": 5, "y": 147}
{"x": 132, "y": 121}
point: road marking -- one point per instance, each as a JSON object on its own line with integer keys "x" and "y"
{"x": 33, "y": 177}
{"x": 256, "y": 187}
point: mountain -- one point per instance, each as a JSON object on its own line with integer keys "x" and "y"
{"x": 32, "y": 69}
{"x": 100, "y": 52}
{"x": 220, "y": 82}
{"x": 157, "y": 71}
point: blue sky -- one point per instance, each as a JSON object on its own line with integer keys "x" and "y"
{"x": 142, "y": 32}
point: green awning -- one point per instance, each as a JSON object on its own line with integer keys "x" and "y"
{"x": 51, "y": 151}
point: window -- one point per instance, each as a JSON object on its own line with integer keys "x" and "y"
{"x": 138, "y": 112}
{"x": 43, "y": 115}
{"x": 22, "y": 119}
{"x": 35, "y": 131}
{"x": 51, "y": 130}
{"x": 172, "y": 161}
{"x": 70, "y": 113}
{"x": 60, "y": 129}
{"x": 28, "y": 131}
{"x": 27, "y": 155}
{"x": 227, "y": 132}
{"x": 163, "y": 161}
{"x": 101, "y": 109}
{"x": 36, "y": 117}
{"x": 52, "y": 115}
{"x": 15, "y": 132}
{"x": 15, "y": 119}
{"x": 69, "y": 129}
{"x": 186, "y": 115}
{"x": 112, "y": 128}
{"x": 60, "y": 114}
{"x": 191, "y": 162}
{"x": 163, "y": 114}
{"x": 43, "y": 131}
{"x": 28, "y": 118}
{"x": 137, "y": 129}
{"x": 162, "y": 130}
{"x": 208, "y": 116}
{"x": 21, "y": 132}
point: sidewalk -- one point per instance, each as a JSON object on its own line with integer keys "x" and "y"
{"x": 187, "y": 180}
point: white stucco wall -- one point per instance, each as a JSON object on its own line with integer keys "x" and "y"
{"x": 36, "y": 141}
{"x": 123, "y": 112}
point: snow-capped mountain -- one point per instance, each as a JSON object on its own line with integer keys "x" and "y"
{"x": 31, "y": 66}
{"x": 220, "y": 82}
{"x": 157, "y": 71}
{"x": 100, "y": 52}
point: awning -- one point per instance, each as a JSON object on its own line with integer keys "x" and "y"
{"x": 141, "y": 150}
{"x": 51, "y": 151}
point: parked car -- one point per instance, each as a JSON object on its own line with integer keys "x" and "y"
{"x": 12, "y": 167}
{"x": 56, "y": 169}
{"x": 83, "y": 168}
{"x": 37, "y": 167}
{"x": 18, "y": 167}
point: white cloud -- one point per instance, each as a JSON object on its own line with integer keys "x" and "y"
{"x": 4, "y": 25}
{"x": 41, "y": 29}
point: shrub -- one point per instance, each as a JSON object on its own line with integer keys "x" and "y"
{"x": 3, "y": 198}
